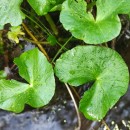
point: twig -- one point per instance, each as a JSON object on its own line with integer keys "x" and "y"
{"x": 76, "y": 107}
{"x": 36, "y": 41}
{"x": 113, "y": 43}
{"x": 105, "y": 125}
{"x": 44, "y": 43}
{"x": 75, "y": 92}
{"x": 12, "y": 67}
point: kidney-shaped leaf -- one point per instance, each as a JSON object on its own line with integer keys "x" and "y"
{"x": 38, "y": 72}
{"x": 102, "y": 66}
{"x": 44, "y": 6}
{"x": 84, "y": 26}
{"x": 10, "y": 12}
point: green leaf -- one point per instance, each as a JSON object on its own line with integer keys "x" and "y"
{"x": 1, "y": 27}
{"x": 100, "y": 65}
{"x": 42, "y": 7}
{"x": 13, "y": 95}
{"x": 84, "y": 26}
{"x": 38, "y": 72}
{"x": 52, "y": 40}
{"x": 10, "y": 12}
{"x": 3, "y": 74}
{"x": 14, "y": 33}
{"x": 56, "y": 8}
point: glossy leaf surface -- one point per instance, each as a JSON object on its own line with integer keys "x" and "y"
{"x": 102, "y": 66}
{"x": 104, "y": 27}
{"x": 44, "y": 6}
{"x": 10, "y": 12}
{"x": 37, "y": 71}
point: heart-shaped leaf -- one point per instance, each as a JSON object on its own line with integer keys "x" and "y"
{"x": 10, "y": 12}
{"x": 38, "y": 72}
{"x": 100, "y": 65}
{"x": 84, "y": 26}
{"x": 44, "y": 6}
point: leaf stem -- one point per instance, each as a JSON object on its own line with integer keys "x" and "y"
{"x": 40, "y": 24}
{"x": 36, "y": 41}
{"x": 61, "y": 49}
{"x": 52, "y": 24}
{"x": 76, "y": 107}
{"x": 75, "y": 92}
{"x": 105, "y": 125}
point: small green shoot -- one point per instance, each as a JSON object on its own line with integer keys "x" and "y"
{"x": 52, "y": 40}
{"x": 14, "y": 33}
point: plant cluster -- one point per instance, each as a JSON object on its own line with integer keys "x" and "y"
{"x": 82, "y": 64}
